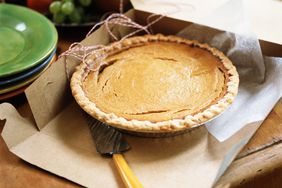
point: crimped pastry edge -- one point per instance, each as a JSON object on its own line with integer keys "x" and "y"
{"x": 162, "y": 126}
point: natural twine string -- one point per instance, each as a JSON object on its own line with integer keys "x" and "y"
{"x": 81, "y": 52}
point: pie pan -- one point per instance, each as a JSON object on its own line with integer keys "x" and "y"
{"x": 209, "y": 75}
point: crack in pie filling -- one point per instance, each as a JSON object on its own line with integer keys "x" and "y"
{"x": 157, "y": 83}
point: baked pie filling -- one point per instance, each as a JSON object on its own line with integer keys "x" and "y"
{"x": 157, "y": 81}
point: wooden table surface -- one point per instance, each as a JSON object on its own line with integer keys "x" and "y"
{"x": 258, "y": 165}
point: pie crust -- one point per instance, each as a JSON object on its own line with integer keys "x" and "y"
{"x": 156, "y": 83}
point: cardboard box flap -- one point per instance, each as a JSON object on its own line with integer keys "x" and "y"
{"x": 64, "y": 147}
{"x": 188, "y": 10}
{"x": 263, "y": 24}
{"x": 50, "y": 93}
{"x": 21, "y": 131}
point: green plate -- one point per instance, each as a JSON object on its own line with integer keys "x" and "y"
{"x": 26, "y": 38}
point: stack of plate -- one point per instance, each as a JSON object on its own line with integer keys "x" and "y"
{"x": 28, "y": 43}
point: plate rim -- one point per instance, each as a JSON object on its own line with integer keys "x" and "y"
{"x": 53, "y": 30}
{"x": 30, "y": 72}
{"x": 28, "y": 80}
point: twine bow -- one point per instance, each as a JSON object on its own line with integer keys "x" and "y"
{"x": 81, "y": 52}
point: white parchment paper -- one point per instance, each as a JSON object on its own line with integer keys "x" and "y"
{"x": 253, "y": 103}
{"x": 260, "y": 79}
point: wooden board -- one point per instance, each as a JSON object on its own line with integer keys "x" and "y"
{"x": 251, "y": 169}
{"x": 269, "y": 133}
{"x": 259, "y": 164}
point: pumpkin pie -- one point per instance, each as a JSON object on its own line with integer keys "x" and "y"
{"x": 156, "y": 83}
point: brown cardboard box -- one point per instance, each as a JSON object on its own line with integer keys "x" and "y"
{"x": 64, "y": 147}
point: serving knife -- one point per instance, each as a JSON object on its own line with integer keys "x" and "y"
{"x": 110, "y": 142}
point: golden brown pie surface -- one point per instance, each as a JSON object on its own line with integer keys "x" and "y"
{"x": 166, "y": 82}
{"x": 157, "y": 81}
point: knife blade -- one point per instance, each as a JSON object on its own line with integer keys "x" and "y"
{"x": 110, "y": 142}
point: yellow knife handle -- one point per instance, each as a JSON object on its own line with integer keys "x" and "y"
{"x": 127, "y": 176}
